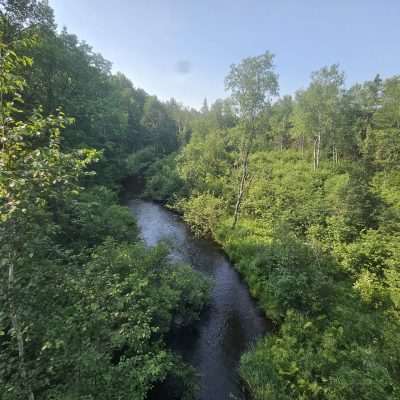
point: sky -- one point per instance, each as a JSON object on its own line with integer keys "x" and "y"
{"x": 184, "y": 48}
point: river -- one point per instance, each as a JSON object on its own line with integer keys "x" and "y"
{"x": 233, "y": 320}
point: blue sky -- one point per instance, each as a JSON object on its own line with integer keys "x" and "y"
{"x": 183, "y": 49}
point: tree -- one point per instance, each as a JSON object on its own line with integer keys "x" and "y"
{"x": 204, "y": 107}
{"x": 182, "y": 117}
{"x": 383, "y": 138}
{"x": 33, "y": 171}
{"x": 161, "y": 129}
{"x": 317, "y": 110}
{"x": 222, "y": 114}
{"x": 252, "y": 83}
{"x": 20, "y": 16}
{"x": 281, "y": 121}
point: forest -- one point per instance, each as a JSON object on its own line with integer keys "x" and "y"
{"x": 302, "y": 193}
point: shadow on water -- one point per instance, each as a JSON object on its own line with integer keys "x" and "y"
{"x": 232, "y": 321}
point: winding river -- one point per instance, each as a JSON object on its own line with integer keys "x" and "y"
{"x": 232, "y": 321}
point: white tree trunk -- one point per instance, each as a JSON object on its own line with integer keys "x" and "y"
{"x": 245, "y": 174}
{"x": 315, "y": 154}
{"x": 241, "y": 190}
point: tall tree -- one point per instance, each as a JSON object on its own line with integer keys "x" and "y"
{"x": 19, "y": 16}
{"x": 161, "y": 129}
{"x": 204, "y": 108}
{"x": 281, "y": 121}
{"x": 383, "y": 138}
{"x": 252, "y": 83}
{"x": 317, "y": 110}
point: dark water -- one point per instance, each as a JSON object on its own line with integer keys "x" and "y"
{"x": 233, "y": 320}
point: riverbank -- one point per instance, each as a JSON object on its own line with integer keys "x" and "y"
{"x": 291, "y": 257}
{"x": 233, "y": 321}
{"x": 321, "y": 320}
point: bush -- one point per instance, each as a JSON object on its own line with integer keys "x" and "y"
{"x": 202, "y": 213}
{"x": 307, "y": 361}
{"x": 99, "y": 328}
{"x": 93, "y": 216}
{"x": 162, "y": 180}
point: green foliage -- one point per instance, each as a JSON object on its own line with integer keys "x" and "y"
{"x": 87, "y": 219}
{"x": 84, "y": 307}
{"x": 99, "y": 332}
{"x": 163, "y": 182}
{"x": 160, "y": 128}
{"x": 252, "y": 82}
{"x": 205, "y": 162}
{"x": 202, "y": 213}
{"x": 307, "y": 362}
{"x": 281, "y": 121}
{"x": 138, "y": 162}
{"x": 318, "y": 247}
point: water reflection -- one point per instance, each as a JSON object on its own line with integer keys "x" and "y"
{"x": 232, "y": 322}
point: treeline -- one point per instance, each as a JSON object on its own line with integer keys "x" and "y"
{"x": 85, "y": 308}
{"x": 303, "y": 193}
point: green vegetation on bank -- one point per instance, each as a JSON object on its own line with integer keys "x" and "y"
{"x": 316, "y": 178}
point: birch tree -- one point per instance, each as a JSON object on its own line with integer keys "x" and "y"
{"x": 252, "y": 83}
{"x": 317, "y": 111}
